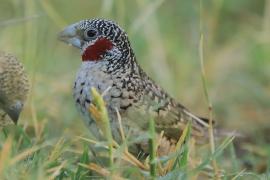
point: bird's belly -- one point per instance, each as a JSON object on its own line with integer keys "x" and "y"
{"x": 85, "y": 81}
{"x": 116, "y": 98}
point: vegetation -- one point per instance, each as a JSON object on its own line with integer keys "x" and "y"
{"x": 179, "y": 43}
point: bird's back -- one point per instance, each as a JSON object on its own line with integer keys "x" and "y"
{"x": 13, "y": 79}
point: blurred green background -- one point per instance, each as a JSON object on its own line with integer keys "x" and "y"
{"x": 165, "y": 36}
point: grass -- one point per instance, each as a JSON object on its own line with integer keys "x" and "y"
{"x": 51, "y": 142}
{"x": 56, "y": 162}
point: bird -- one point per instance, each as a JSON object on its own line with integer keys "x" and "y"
{"x": 14, "y": 87}
{"x": 109, "y": 65}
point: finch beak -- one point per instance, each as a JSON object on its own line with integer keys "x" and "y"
{"x": 14, "y": 111}
{"x": 70, "y": 36}
{"x": 14, "y": 114}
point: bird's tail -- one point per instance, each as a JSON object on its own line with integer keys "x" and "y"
{"x": 200, "y": 127}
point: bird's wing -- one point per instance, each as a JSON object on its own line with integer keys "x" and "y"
{"x": 173, "y": 118}
{"x": 170, "y": 116}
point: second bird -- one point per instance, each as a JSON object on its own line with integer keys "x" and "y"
{"x": 14, "y": 87}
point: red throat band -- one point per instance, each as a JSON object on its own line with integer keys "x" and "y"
{"x": 94, "y": 52}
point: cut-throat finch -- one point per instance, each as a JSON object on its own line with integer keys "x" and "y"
{"x": 14, "y": 87}
{"x": 109, "y": 63}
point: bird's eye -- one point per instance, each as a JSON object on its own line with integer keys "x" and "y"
{"x": 90, "y": 33}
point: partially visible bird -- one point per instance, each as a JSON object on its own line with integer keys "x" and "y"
{"x": 109, "y": 63}
{"x": 14, "y": 87}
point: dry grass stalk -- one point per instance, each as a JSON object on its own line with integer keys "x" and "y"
{"x": 203, "y": 75}
{"x": 56, "y": 170}
{"x": 25, "y": 154}
{"x": 102, "y": 171}
{"x": 56, "y": 152}
{"x": 120, "y": 125}
{"x": 176, "y": 148}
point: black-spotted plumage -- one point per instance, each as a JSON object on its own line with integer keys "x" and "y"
{"x": 128, "y": 88}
